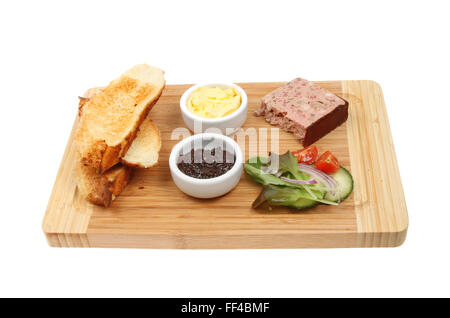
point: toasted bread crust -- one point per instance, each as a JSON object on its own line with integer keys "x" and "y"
{"x": 118, "y": 179}
{"x": 82, "y": 102}
{"x": 112, "y": 110}
{"x": 85, "y": 98}
{"x": 101, "y": 189}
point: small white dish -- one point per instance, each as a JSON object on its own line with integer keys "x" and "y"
{"x": 226, "y": 125}
{"x": 206, "y": 188}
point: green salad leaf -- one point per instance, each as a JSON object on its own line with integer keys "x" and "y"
{"x": 288, "y": 163}
{"x": 262, "y": 177}
{"x": 267, "y": 171}
{"x": 280, "y": 195}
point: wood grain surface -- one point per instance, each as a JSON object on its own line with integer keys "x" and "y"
{"x": 153, "y": 213}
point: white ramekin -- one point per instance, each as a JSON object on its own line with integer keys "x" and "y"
{"x": 226, "y": 125}
{"x": 206, "y": 188}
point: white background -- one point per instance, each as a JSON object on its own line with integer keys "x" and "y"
{"x": 52, "y": 51}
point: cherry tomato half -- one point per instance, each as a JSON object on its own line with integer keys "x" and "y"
{"x": 327, "y": 163}
{"x": 307, "y": 156}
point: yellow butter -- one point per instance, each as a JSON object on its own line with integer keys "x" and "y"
{"x": 213, "y": 102}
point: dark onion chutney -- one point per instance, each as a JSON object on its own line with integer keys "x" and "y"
{"x": 206, "y": 164}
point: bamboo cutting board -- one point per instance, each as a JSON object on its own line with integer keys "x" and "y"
{"x": 152, "y": 213}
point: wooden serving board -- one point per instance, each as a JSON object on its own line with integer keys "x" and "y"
{"x": 152, "y": 213}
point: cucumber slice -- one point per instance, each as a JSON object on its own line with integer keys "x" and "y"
{"x": 298, "y": 204}
{"x": 345, "y": 185}
{"x": 301, "y": 204}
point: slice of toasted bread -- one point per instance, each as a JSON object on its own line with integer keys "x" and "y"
{"x": 110, "y": 119}
{"x": 98, "y": 188}
{"x": 144, "y": 150}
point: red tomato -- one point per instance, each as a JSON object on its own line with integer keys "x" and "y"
{"x": 307, "y": 156}
{"x": 327, "y": 163}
